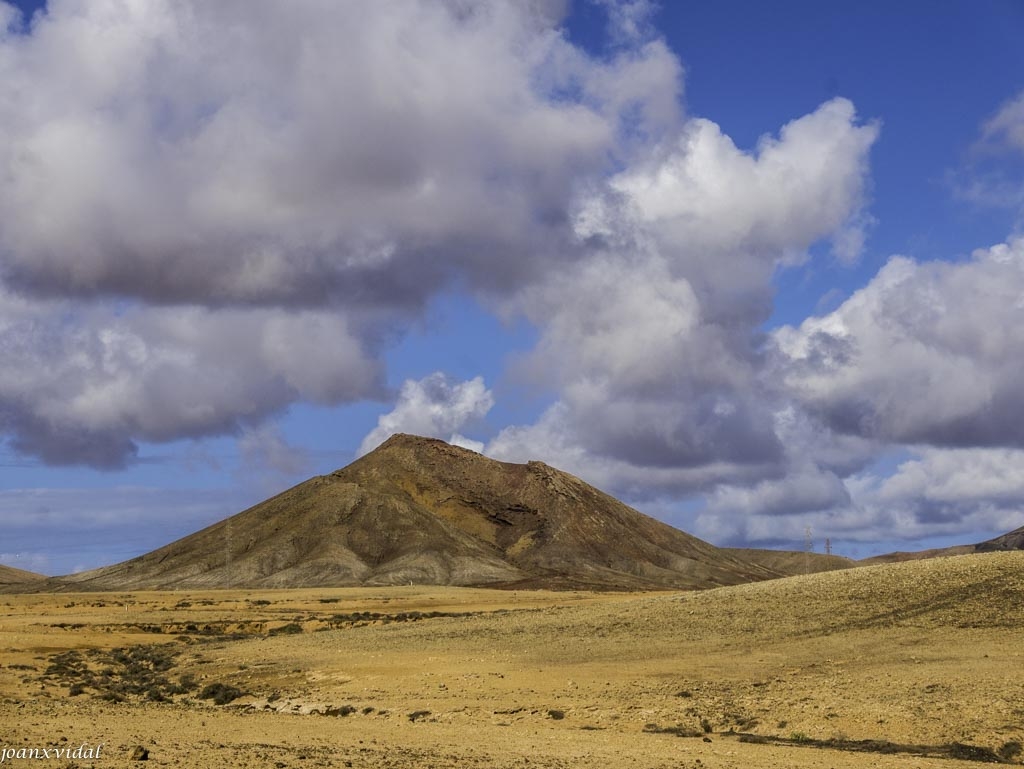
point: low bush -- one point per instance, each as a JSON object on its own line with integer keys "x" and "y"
{"x": 292, "y": 628}
{"x": 221, "y": 694}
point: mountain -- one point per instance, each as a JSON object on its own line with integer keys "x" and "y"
{"x": 11, "y": 576}
{"x": 1013, "y": 540}
{"x": 417, "y": 510}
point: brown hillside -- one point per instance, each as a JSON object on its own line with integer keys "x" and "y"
{"x": 792, "y": 562}
{"x": 1013, "y": 540}
{"x": 11, "y": 576}
{"x": 420, "y": 511}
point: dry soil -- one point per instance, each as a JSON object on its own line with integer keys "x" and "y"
{"x": 900, "y": 665}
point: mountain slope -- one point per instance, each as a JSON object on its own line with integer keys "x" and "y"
{"x": 418, "y": 510}
{"x": 11, "y": 576}
{"x": 1013, "y": 540}
{"x": 793, "y": 562}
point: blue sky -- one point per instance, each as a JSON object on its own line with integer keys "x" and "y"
{"x": 752, "y": 267}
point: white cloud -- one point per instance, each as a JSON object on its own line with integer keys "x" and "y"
{"x": 653, "y": 342}
{"x": 961, "y": 493}
{"x": 252, "y": 152}
{"x": 944, "y": 491}
{"x": 925, "y": 353}
{"x": 214, "y": 210}
{"x": 554, "y": 439}
{"x": 807, "y": 489}
{"x": 706, "y": 194}
{"x": 467, "y": 443}
{"x": 81, "y": 383}
{"x": 10, "y": 16}
{"x": 923, "y": 360}
{"x": 435, "y": 407}
{"x": 1005, "y": 129}
{"x": 629, "y": 20}
{"x": 951, "y": 476}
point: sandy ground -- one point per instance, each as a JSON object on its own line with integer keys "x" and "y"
{"x": 923, "y": 658}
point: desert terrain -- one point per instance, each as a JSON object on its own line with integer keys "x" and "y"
{"x": 914, "y": 664}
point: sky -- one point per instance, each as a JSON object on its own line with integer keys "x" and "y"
{"x": 757, "y": 269}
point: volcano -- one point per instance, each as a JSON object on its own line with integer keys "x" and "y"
{"x": 420, "y": 511}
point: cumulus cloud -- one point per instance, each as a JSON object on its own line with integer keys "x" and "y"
{"x": 927, "y": 352}
{"x": 10, "y": 17}
{"x": 954, "y": 475}
{"x": 653, "y": 343}
{"x": 81, "y": 384}
{"x": 943, "y": 491}
{"x": 922, "y": 362}
{"x": 705, "y": 195}
{"x": 807, "y": 490}
{"x": 214, "y": 210}
{"x": 211, "y": 211}
{"x": 963, "y": 493}
{"x": 435, "y": 406}
{"x": 252, "y": 152}
{"x": 553, "y": 438}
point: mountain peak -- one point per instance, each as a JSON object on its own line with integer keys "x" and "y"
{"x": 410, "y": 440}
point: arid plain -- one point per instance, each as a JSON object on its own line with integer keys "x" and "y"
{"x": 916, "y": 664}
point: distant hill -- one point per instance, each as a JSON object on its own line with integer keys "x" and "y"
{"x": 11, "y": 576}
{"x": 417, "y": 510}
{"x": 793, "y": 562}
{"x": 1013, "y": 540}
